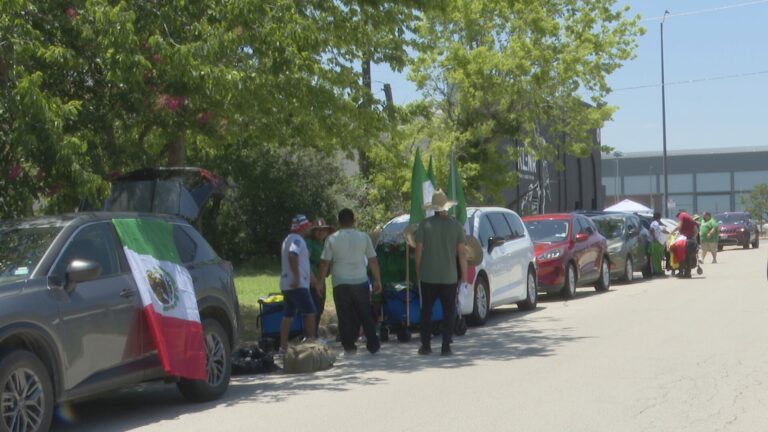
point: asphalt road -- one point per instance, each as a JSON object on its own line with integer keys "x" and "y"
{"x": 660, "y": 355}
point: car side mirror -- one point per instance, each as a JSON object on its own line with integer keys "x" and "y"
{"x": 494, "y": 242}
{"x": 580, "y": 237}
{"x": 81, "y": 271}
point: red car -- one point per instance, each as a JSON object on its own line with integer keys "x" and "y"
{"x": 570, "y": 252}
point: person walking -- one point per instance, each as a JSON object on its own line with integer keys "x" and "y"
{"x": 346, "y": 252}
{"x": 295, "y": 281}
{"x": 315, "y": 243}
{"x": 709, "y": 237}
{"x": 687, "y": 227}
{"x": 657, "y": 248}
{"x": 439, "y": 244}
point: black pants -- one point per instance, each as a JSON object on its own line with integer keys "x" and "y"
{"x": 353, "y": 307}
{"x": 447, "y": 295}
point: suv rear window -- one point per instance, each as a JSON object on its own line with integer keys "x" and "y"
{"x": 191, "y": 245}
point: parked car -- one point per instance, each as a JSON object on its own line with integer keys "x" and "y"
{"x": 70, "y": 332}
{"x": 737, "y": 229}
{"x": 570, "y": 252}
{"x": 626, "y": 239}
{"x": 507, "y": 273}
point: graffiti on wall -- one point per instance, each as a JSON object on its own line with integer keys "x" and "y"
{"x": 535, "y": 191}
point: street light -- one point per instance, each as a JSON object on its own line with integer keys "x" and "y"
{"x": 665, "y": 205}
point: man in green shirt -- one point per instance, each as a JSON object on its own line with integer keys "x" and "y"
{"x": 439, "y": 242}
{"x": 709, "y": 234}
{"x": 315, "y": 242}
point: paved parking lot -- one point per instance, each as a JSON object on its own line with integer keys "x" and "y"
{"x": 666, "y": 355}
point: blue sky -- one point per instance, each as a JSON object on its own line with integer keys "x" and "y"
{"x": 710, "y": 114}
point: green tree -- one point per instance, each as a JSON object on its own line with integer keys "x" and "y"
{"x": 90, "y": 87}
{"x": 498, "y": 72}
{"x": 756, "y": 203}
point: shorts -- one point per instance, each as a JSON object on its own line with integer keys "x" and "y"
{"x": 710, "y": 247}
{"x": 298, "y": 300}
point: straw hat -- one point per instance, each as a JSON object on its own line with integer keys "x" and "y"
{"x": 321, "y": 225}
{"x": 474, "y": 250}
{"x": 439, "y": 202}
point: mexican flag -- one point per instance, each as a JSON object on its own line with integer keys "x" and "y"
{"x": 167, "y": 295}
{"x": 456, "y": 193}
{"x": 421, "y": 189}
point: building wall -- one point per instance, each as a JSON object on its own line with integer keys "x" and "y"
{"x": 542, "y": 188}
{"x": 698, "y": 181}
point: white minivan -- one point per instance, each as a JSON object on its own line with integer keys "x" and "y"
{"x": 507, "y": 272}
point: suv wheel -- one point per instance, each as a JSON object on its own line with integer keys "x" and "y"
{"x": 531, "y": 298}
{"x": 218, "y": 363}
{"x": 480, "y": 303}
{"x": 27, "y": 393}
{"x": 569, "y": 289}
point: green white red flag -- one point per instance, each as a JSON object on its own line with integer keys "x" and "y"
{"x": 421, "y": 189}
{"x": 167, "y": 295}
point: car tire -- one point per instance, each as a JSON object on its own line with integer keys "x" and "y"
{"x": 629, "y": 270}
{"x": 22, "y": 368}
{"x": 569, "y": 288}
{"x": 480, "y": 303}
{"x": 756, "y": 244}
{"x": 218, "y": 364}
{"x": 532, "y": 295}
{"x": 604, "y": 281}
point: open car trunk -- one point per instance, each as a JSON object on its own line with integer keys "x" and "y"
{"x": 182, "y": 191}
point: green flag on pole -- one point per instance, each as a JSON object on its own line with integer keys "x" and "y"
{"x": 431, "y": 172}
{"x": 456, "y": 193}
{"x": 421, "y": 189}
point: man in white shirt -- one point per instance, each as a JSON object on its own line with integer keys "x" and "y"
{"x": 347, "y": 249}
{"x": 295, "y": 281}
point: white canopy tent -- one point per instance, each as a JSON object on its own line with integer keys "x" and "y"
{"x": 629, "y": 206}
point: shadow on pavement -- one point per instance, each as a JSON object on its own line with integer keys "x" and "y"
{"x": 509, "y": 335}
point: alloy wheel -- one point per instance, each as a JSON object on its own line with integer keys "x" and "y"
{"x": 22, "y": 402}
{"x": 481, "y": 299}
{"x": 215, "y": 355}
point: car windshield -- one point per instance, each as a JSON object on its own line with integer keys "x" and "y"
{"x": 23, "y": 247}
{"x": 731, "y": 218}
{"x": 393, "y": 231}
{"x": 547, "y": 231}
{"x": 610, "y": 227}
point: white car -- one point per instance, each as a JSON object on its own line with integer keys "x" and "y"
{"x": 507, "y": 273}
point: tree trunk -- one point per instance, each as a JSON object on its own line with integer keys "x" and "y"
{"x": 176, "y": 152}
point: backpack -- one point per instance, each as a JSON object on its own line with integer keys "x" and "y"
{"x": 308, "y": 357}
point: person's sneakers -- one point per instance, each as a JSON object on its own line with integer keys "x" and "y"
{"x": 350, "y": 351}
{"x": 446, "y": 351}
{"x": 425, "y": 350}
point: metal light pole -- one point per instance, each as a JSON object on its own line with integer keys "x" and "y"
{"x": 665, "y": 204}
{"x": 617, "y": 183}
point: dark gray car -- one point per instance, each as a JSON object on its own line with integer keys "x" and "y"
{"x": 626, "y": 245}
{"x": 71, "y": 320}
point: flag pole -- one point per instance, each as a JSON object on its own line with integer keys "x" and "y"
{"x": 407, "y": 285}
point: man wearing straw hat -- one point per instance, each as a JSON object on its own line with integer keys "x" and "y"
{"x": 439, "y": 242}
